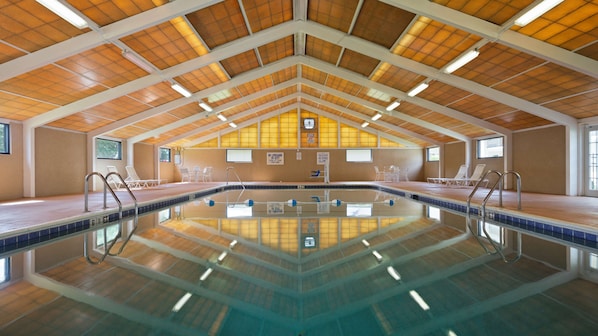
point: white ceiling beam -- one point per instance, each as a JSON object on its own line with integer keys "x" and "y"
{"x": 365, "y": 82}
{"x": 220, "y": 109}
{"x": 225, "y": 51}
{"x": 375, "y": 107}
{"x": 500, "y": 34}
{"x": 104, "y": 35}
{"x": 238, "y": 80}
{"x": 378, "y": 52}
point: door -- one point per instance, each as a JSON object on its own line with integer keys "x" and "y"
{"x": 591, "y": 161}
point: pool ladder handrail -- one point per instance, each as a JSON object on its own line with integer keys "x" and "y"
{"x": 107, "y": 187}
{"x": 500, "y": 183}
{"x": 112, "y": 243}
{"x": 237, "y": 175}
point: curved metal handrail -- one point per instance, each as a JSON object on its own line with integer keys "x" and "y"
{"x": 126, "y": 187}
{"x": 106, "y": 186}
{"x": 106, "y": 249}
{"x": 477, "y": 185}
{"x": 237, "y": 175}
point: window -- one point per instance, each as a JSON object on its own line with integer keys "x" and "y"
{"x": 359, "y": 155}
{"x": 4, "y": 270}
{"x": 238, "y": 155}
{"x": 433, "y": 154}
{"x": 490, "y": 148}
{"x": 4, "y": 139}
{"x": 108, "y": 149}
{"x": 165, "y": 155}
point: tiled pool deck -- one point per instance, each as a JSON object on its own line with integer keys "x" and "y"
{"x": 32, "y": 221}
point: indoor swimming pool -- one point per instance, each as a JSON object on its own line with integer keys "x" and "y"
{"x": 302, "y": 262}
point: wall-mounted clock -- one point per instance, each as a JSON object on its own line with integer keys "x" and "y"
{"x": 309, "y": 123}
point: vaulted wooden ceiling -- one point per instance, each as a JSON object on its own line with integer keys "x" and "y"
{"x": 253, "y": 59}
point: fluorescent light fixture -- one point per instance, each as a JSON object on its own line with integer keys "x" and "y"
{"x": 222, "y": 256}
{"x": 206, "y": 274}
{"x": 221, "y": 117}
{"x": 393, "y": 273}
{"x": 393, "y": 105}
{"x": 377, "y": 255}
{"x": 137, "y": 61}
{"x": 535, "y": 12}
{"x": 232, "y": 124}
{"x": 461, "y": 61}
{"x": 181, "y": 302}
{"x": 206, "y": 107}
{"x": 415, "y": 91}
{"x": 415, "y": 296}
{"x": 232, "y": 244}
{"x": 365, "y": 124}
{"x": 377, "y": 116}
{"x": 365, "y": 243}
{"x": 64, "y": 12}
{"x": 180, "y": 89}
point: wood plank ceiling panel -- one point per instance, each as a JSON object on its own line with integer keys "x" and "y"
{"x": 381, "y": 23}
{"x": 105, "y": 12}
{"x": 433, "y": 43}
{"x": 240, "y": 63}
{"x": 397, "y": 78}
{"x": 570, "y": 25}
{"x": 263, "y": 14}
{"x": 29, "y": 26}
{"x": 277, "y": 50}
{"x": 16, "y": 107}
{"x": 162, "y": 45}
{"x": 322, "y": 50}
{"x": 337, "y": 14}
{"x": 220, "y": 23}
{"x": 357, "y": 62}
{"x": 495, "y": 11}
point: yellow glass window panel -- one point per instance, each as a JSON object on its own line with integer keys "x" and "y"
{"x": 248, "y": 229}
{"x": 270, "y": 232}
{"x": 248, "y": 137}
{"x": 368, "y": 225}
{"x": 213, "y": 143}
{"x": 230, "y": 140}
{"x": 367, "y": 139}
{"x": 328, "y": 133}
{"x": 388, "y": 143}
{"x": 384, "y": 222}
{"x": 230, "y": 226}
{"x": 349, "y": 136}
{"x": 328, "y": 232}
{"x": 269, "y": 133}
{"x": 288, "y": 130}
{"x": 349, "y": 228}
{"x": 288, "y": 236}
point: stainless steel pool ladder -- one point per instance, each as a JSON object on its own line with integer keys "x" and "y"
{"x": 234, "y": 172}
{"x": 109, "y": 245}
{"x": 108, "y": 187}
{"x": 499, "y": 182}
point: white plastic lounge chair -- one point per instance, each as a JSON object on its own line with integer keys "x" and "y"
{"x": 197, "y": 174}
{"x": 461, "y": 174}
{"x": 475, "y": 177}
{"x": 133, "y": 180}
{"x": 112, "y": 180}
{"x": 185, "y": 176}
{"x": 207, "y": 174}
{"x": 379, "y": 174}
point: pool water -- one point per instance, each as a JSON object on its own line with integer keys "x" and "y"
{"x": 306, "y": 262}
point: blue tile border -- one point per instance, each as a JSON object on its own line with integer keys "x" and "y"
{"x": 578, "y": 236}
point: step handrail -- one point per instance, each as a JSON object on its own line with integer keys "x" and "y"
{"x": 106, "y": 248}
{"x": 234, "y": 172}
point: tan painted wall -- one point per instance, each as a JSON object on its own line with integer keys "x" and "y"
{"x": 539, "y": 156}
{"x": 295, "y": 170}
{"x": 60, "y": 162}
{"x": 11, "y": 166}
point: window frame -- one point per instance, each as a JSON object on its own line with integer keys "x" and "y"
{"x": 428, "y": 154}
{"x": 169, "y": 150}
{"x": 120, "y": 149}
{"x": 5, "y": 277}
{"x": 479, "y": 146}
{"x": 6, "y": 142}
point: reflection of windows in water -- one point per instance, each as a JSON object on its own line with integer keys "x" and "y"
{"x": 310, "y": 242}
{"x": 311, "y": 228}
